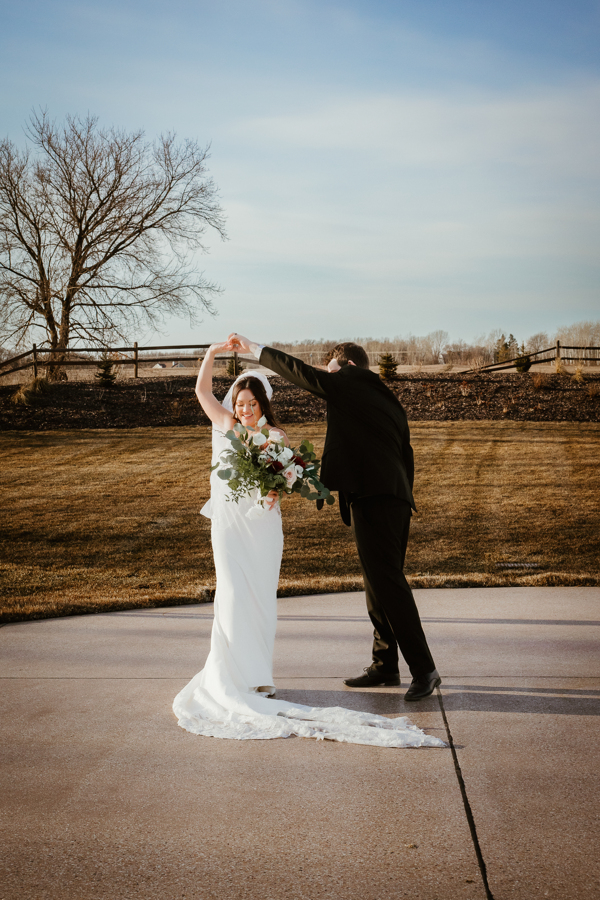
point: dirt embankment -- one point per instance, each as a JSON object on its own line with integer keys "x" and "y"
{"x": 430, "y": 397}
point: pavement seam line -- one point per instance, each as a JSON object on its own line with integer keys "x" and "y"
{"x": 465, "y": 800}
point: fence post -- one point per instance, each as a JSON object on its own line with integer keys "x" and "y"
{"x": 236, "y": 370}
{"x": 135, "y": 356}
{"x": 35, "y": 366}
{"x": 557, "y": 361}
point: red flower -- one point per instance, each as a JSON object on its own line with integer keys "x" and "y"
{"x": 299, "y": 461}
{"x": 276, "y": 466}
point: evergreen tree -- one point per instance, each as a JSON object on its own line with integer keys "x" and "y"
{"x": 523, "y": 363}
{"x": 105, "y": 374}
{"x": 506, "y": 348}
{"x": 387, "y": 366}
{"x": 231, "y": 366}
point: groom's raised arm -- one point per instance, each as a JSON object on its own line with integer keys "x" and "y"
{"x": 316, "y": 381}
{"x": 296, "y": 371}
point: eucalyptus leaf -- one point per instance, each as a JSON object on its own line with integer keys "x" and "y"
{"x": 225, "y": 474}
{"x": 330, "y": 500}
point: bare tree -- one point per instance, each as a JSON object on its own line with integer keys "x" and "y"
{"x": 96, "y": 231}
{"x": 437, "y": 340}
{"x": 538, "y": 341}
{"x": 581, "y": 334}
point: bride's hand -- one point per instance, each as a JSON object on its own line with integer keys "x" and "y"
{"x": 239, "y": 342}
{"x": 272, "y": 498}
{"x": 219, "y": 348}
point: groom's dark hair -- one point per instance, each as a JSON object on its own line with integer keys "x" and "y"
{"x": 349, "y": 352}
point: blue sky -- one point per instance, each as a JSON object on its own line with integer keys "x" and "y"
{"x": 385, "y": 167}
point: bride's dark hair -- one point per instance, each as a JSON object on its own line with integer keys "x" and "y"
{"x": 258, "y": 389}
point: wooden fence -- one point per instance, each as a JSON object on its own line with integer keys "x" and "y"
{"x": 557, "y": 353}
{"x": 41, "y": 358}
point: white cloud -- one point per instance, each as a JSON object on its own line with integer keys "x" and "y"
{"x": 442, "y": 208}
{"x": 554, "y": 128}
{"x": 406, "y": 179}
{"x": 359, "y": 154}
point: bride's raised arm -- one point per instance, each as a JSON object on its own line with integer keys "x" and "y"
{"x": 217, "y": 413}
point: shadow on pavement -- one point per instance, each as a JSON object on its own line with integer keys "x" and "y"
{"x": 380, "y": 703}
{"x": 453, "y": 620}
{"x": 548, "y": 701}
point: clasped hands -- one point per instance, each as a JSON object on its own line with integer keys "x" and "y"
{"x": 235, "y": 343}
{"x": 238, "y": 343}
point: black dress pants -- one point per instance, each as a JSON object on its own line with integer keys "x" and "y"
{"x": 380, "y": 525}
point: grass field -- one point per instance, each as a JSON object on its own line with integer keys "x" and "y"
{"x": 100, "y": 520}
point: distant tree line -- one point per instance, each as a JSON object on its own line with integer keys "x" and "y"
{"x": 436, "y": 346}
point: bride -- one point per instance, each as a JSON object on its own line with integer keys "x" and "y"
{"x": 234, "y": 694}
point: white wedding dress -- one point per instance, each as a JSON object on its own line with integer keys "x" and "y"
{"x": 229, "y": 698}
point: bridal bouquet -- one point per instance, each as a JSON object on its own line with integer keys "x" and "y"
{"x": 259, "y": 461}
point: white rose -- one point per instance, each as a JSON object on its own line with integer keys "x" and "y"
{"x": 299, "y": 471}
{"x": 285, "y": 454}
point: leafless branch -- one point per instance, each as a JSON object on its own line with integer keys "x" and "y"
{"x": 97, "y": 228}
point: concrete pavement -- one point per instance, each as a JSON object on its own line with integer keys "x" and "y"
{"x": 105, "y": 797}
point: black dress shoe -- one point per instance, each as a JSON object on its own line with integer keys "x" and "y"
{"x": 373, "y": 678}
{"x": 423, "y": 686}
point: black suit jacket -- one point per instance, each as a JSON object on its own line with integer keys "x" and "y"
{"x": 367, "y": 446}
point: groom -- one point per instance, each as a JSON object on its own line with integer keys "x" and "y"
{"x": 369, "y": 461}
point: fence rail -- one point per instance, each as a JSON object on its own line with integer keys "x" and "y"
{"x": 44, "y": 357}
{"x": 39, "y": 357}
{"x": 539, "y": 357}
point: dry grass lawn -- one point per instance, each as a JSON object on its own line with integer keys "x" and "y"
{"x": 101, "y": 520}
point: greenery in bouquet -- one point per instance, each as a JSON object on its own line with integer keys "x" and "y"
{"x": 260, "y": 461}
